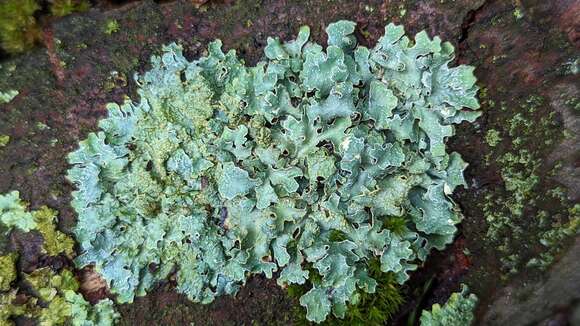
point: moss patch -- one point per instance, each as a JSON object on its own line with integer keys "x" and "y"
{"x": 18, "y": 28}
{"x": 369, "y": 308}
{"x": 62, "y": 8}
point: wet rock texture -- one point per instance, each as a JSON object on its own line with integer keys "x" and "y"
{"x": 522, "y": 49}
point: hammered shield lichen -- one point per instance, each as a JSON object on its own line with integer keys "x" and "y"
{"x": 221, "y": 171}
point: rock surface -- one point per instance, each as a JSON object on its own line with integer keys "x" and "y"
{"x": 535, "y": 302}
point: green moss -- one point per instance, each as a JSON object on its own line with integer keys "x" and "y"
{"x": 369, "y": 308}
{"x": 18, "y": 28}
{"x": 396, "y": 224}
{"x": 62, "y": 8}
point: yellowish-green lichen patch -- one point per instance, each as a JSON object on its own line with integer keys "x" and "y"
{"x": 9, "y": 95}
{"x": 9, "y": 310}
{"x": 7, "y": 270}
{"x": 111, "y": 26}
{"x": 13, "y": 213}
{"x": 520, "y": 213}
{"x": 492, "y": 137}
{"x": 55, "y": 301}
{"x": 47, "y": 283}
{"x": 55, "y": 242}
{"x": 51, "y": 297}
{"x": 4, "y": 140}
{"x": 518, "y": 13}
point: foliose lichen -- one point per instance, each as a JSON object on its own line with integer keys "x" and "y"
{"x": 14, "y": 213}
{"x": 55, "y": 242}
{"x": 51, "y": 297}
{"x": 7, "y": 270}
{"x": 55, "y": 301}
{"x": 221, "y": 171}
{"x": 111, "y": 26}
{"x": 4, "y": 140}
{"x": 457, "y": 311}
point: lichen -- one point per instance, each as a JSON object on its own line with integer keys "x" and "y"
{"x": 457, "y": 311}
{"x": 7, "y": 271}
{"x": 8, "y": 96}
{"x": 492, "y": 137}
{"x": 518, "y": 13}
{"x": 4, "y": 140}
{"x": 55, "y": 242}
{"x": 51, "y": 296}
{"x": 54, "y": 301}
{"x": 13, "y": 213}
{"x": 9, "y": 310}
{"x": 111, "y": 26}
{"x": 351, "y": 138}
{"x": 519, "y": 213}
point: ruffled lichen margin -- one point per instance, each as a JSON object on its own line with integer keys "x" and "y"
{"x": 221, "y": 171}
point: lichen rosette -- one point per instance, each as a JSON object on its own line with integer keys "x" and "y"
{"x": 221, "y": 171}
